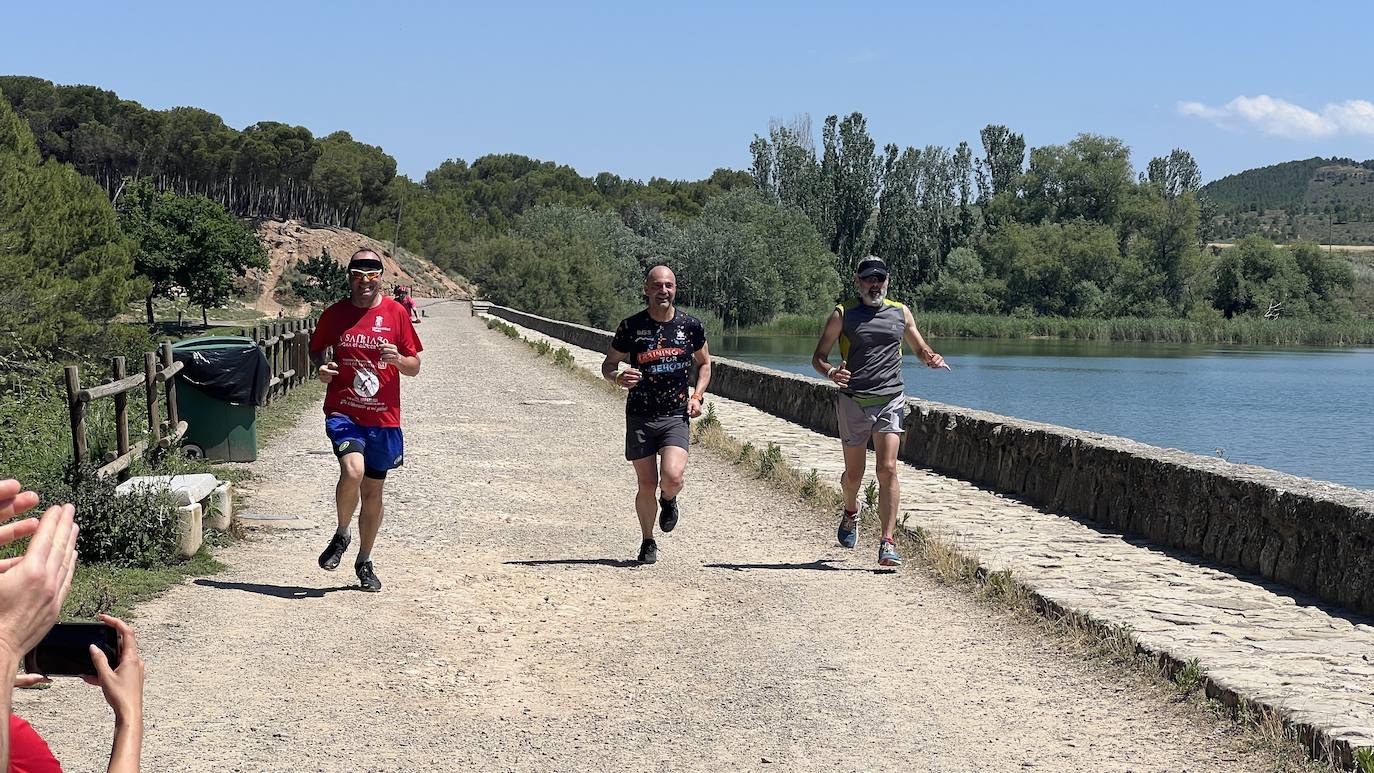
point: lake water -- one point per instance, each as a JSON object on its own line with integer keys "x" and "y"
{"x": 1309, "y": 412}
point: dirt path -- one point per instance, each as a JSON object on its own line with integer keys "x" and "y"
{"x": 514, "y": 635}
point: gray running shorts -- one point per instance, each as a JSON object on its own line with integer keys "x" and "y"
{"x": 857, "y": 423}
{"x": 647, "y": 435}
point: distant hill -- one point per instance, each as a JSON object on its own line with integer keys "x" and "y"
{"x": 1329, "y": 200}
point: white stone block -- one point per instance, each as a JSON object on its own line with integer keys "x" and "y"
{"x": 186, "y": 489}
{"x": 189, "y": 529}
{"x": 222, "y": 501}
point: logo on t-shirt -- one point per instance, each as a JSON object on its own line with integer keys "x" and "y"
{"x": 365, "y": 382}
{"x": 378, "y": 325}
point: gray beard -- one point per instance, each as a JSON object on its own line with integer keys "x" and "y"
{"x": 870, "y": 300}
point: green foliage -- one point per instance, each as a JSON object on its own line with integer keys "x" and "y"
{"x": 709, "y": 419}
{"x": 811, "y": 485}
{"x": 137, "y": 529}
{"x": 770, "y": 460}
{"x": 1189, "y": 678}
{"x": 320, "y": 279}
{"x": 188, "y": 242}
{"x": 1364, "y": 760}
{"x": 564, "y": 357}
{"x": 269, "y": 169}
{"x": 64, "y": 265}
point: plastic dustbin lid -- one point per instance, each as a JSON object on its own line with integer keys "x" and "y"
{"x": 212, "y": 342}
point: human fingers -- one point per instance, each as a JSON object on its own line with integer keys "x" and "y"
{"x": 43, "y": 536}
{"x": 104, "y": 675}
{"x": 29, "y": 681}
{"x": 16, "y": 503}
{"x": 7, "y": 563}
{"x": 16, "y": 531}
{"x": 63, "y": 545}
{"x": 128, "y": 642}
{"x": 68, "y": 573}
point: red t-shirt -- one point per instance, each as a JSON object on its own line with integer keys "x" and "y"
{"x": 366, "y": 390}
{"x": 29, "y": 753}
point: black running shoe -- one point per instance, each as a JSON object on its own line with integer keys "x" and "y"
{"x": 367, "y": 578}
{"x": 332, "y": 555}
{"x": 648, "y": 552}
{"x": 667, "y": 514}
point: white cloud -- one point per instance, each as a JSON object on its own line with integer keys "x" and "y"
{"x": 1285, "y": 119}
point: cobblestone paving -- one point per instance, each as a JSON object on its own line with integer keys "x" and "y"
{"x": 1312, "y": 662}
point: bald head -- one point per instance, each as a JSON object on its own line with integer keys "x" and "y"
{"x": 660, "y": 288}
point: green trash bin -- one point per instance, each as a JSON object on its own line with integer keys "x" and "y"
{"x": 217, "y": 395}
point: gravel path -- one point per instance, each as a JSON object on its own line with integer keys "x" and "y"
{"x": 514, "y": 634}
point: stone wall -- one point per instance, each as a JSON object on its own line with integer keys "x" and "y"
{"x": 1313, "y": 536}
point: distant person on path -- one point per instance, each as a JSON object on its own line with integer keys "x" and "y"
{"x": 374, "y": 344}
{"x": 403, "y": 298}
{"x": 661, "y": 344}
{"x": 871, "y": 404}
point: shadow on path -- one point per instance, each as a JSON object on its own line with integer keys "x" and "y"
{"x": 611, "y": 562}
{"x": 276, "y": 591}
{"x": 819, "y": 565}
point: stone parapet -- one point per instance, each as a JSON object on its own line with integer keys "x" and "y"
{"x": 1313, "y": 536}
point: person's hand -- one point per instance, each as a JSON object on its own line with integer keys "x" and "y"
{"x": 628, "y": 377}
{"x": 30, "y": 681}
{"x": 840, "y": 375}
{"x": 935, "y": 362}
{"x": 693, "y": 406}
{"x": 327, "y": 371}
{"x": 390, "y": 354}
{"x": 123, "y": 686}
{"x": 34, "y": 585}
{"x": 14, "y": 502}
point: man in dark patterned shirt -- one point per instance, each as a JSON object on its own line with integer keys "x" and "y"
{"x": 661, "y": 344}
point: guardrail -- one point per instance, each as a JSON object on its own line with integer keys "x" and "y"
{"x": 285, "y": 344}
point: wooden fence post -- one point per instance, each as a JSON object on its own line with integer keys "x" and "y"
{"x": 119, "y": 370}
{"x": 150, "y": 385}
{"x": 170, "y": 390}
{"x": 77, "y": 411}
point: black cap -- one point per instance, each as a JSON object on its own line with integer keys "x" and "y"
{"x": 870, "y": 267}
{"x": 365, "y": 260}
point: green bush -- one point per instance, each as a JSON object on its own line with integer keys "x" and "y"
{"x": 137, "y": 529}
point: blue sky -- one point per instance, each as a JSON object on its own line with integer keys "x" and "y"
{"x": 642, "y": 89}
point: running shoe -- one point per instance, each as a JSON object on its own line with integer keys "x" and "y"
{"x": 332, "y": 555}
{"x": 848, "y": 533}
{"x": 648, "y": 552}
{"x": 667, "y": 514}
{"x": 367, "y": 578}
{"x": 887, "y": 553}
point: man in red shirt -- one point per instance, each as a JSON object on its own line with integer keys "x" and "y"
{"x": 374, "y": 344}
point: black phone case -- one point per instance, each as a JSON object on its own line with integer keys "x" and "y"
{"x": 65, "y": 649}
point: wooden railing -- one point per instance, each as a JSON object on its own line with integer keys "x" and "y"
{"x": 158, "y": 368}
{"x": 285, "y": 344}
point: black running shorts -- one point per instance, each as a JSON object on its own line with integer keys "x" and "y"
{"x": 647, "y": 435}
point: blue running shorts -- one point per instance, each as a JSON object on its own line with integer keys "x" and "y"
{"x": 383, "y": 448}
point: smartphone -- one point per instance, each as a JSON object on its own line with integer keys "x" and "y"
{"x": 65, "y": 650}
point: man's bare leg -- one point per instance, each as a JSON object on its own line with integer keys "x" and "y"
{"x": 370, "y": 520}
{"x": 671, "y": 470}
{"x": 854, "y": 459}
{"x": 885, "y": 445}
{"x": 347, "y": 489}
{"x": 646, "y": 498}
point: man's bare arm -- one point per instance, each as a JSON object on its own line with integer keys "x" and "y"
{"x": 820, "y": 360}
{"x": 918, "y": 343}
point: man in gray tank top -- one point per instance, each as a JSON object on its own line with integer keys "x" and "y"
{"x": 871, "y": 405}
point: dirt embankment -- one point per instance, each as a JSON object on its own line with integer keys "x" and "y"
{"x": 289, "y": 241}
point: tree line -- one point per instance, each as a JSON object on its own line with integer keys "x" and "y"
{"x": 1060, "y": 230}
{"x": 269, "y": 169}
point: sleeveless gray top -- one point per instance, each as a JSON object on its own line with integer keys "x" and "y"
{"x": 871, "y": 344}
